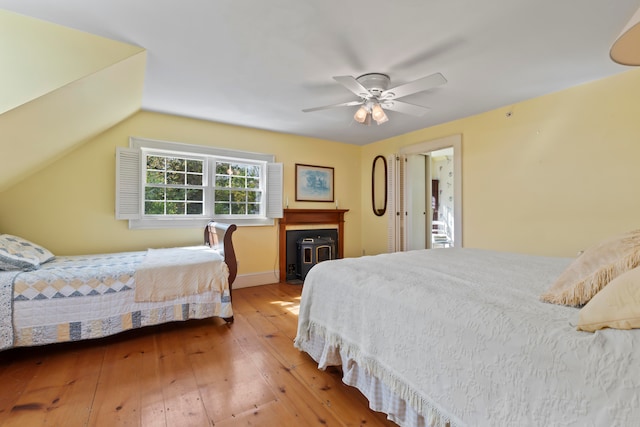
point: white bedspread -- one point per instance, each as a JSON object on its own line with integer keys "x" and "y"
{"x": 171, "y": 273}
{"x": 461, "y": 333}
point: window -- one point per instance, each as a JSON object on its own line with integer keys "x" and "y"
{"x": 164, "y": 184}
{"x": 174, "y": 185}
{"x": 238, "y": 190}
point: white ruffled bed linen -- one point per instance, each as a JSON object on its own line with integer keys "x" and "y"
{"x": 380, "y": 397}
{"x": 461, "y": 336}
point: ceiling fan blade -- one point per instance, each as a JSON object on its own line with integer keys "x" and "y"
{"x": 415, "y": 86}
{"x": 405, "y": 107}
{"x": 325, "y": 107}
{"x": 353, "y": 85}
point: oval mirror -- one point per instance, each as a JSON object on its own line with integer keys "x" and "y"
{"x": 379, "y": 185}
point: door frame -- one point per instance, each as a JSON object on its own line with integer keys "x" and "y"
{"x": 426, "y": 147}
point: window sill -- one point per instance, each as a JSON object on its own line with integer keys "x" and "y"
{"x": 167, "y": 223}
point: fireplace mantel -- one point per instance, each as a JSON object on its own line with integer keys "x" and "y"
{"x": 309, "y": 216}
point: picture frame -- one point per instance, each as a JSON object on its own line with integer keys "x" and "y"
{"x": 314, "y": 183}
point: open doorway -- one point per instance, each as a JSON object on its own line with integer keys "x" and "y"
{"x": 441, "y": 181}
{"x": 429, "y": 185}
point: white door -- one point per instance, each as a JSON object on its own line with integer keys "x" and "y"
{"x": 416, "y": 202}
{"x": 404, "y": 231}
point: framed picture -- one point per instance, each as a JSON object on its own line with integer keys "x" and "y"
{"x": 314, "y": 183}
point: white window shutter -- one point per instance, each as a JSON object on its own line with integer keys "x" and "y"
{"x": 274, "y": 190}
{"x": 128, "y": 185}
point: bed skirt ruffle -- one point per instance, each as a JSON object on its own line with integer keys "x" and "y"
{"x": 380, "y": 396}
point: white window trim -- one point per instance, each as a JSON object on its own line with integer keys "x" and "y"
{"x": 130, "y": 179}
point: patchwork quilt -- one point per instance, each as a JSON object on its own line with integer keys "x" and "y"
{"x": 78, "y": 297}
{"x": 6, "y": 299}
{"x": 77, "y": 276}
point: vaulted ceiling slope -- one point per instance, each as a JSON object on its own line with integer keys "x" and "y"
{"x": 60, "y": 86}
{"x": 259, "y": 63}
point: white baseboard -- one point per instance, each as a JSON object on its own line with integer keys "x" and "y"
{"x": 256, "y": 279}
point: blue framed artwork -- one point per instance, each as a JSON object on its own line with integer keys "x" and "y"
{"x": 314, "y": 183}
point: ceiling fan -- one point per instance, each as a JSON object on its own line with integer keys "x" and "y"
{"x": 375, "y": 96}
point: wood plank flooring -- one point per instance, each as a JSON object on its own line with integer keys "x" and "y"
{"x": 195, "y": 373}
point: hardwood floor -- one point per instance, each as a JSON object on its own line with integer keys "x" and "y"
{"x": 195, "y": 373}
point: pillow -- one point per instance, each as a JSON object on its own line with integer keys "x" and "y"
{"x": 17, "y": 253}
{"x": 616, "y": 306}
{"x": 593, "y": 269}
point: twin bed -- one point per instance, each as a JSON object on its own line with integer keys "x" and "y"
{"x": 46, "y": 299}
{"x": 457, "y": 337}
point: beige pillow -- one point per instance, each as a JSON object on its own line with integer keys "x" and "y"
{"x": 616, "y": 306}
{"x": 596, "y": 267}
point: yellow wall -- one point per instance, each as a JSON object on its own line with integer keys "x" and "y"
{"x": 69, "y": 206}
{"x": 557, "y": 175}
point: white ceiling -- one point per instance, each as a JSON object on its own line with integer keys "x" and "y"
{"x": 258, "y": 63}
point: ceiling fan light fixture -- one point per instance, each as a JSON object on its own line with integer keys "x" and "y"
{"x": 378, "y": 114}
{"x": 361, "y": 115}
{"x": 373, "y": 92}
{"x": 382, "y": 120}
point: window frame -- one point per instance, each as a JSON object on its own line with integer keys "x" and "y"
{"x": 181, "y": 155}
{"x": 260, "y": 189}
{"x": 210, "y": 155}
